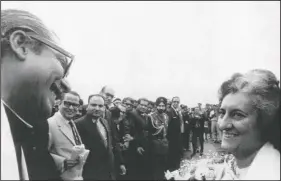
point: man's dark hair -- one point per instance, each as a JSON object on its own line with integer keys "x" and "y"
{"x": 174, "y": 98}
{"x": 128, "y": 99}
{"x": 81, "y": 102}
{"x": 70, "y": 92}
{"x": 97, "y": 95}
{"x": 143, "y": 99}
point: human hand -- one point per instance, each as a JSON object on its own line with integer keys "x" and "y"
{"x": 140, "y": 150}
{"x": 68, "y": 163}
{"x": 122, "y": 170}
{"x": 127, "y": 138}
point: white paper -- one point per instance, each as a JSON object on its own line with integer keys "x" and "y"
{"x": 75, "y": 173}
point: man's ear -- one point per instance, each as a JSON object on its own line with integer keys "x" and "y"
{"x": 18, "y": 44}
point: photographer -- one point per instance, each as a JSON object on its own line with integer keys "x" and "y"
{"x": 197, "y": 127}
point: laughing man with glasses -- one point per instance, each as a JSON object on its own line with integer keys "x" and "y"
{"x": 32, "y": 67}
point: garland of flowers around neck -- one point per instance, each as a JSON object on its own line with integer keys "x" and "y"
{"x": 231, "y": 165}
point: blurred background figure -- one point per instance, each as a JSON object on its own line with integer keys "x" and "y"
{"x": 116, "y": 102}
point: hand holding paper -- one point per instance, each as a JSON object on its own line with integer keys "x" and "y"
{"x": 78, "y": 157}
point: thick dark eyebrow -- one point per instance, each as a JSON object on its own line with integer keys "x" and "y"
{"x": 234, "y": 110}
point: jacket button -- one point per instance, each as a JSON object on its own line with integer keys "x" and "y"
{"x": 34, "y": 148}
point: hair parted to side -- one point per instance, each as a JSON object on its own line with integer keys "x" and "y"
{"x": 12, "y": 20}
{"x": 71, "y": 92}
{"x": 143, "y": 99}
{"x": 97, "y": 95}
{"x": 263, "y": 88}
{"x": 175, "y": 97}
{"x": 128, "y": 99}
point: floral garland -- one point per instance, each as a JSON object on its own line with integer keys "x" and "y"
{"x": 205, "y": 168}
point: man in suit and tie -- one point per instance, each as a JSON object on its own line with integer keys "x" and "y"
{"x": 32, "y": 66}
{"x": 174, "y": 135}
{"x": 97, "y": 137}
{"x": 64, "y": 135}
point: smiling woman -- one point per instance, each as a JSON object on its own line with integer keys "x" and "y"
{"x": 249, "y": 110}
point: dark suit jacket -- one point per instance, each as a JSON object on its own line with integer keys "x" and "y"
{"x": 140, "y": 125}
{"x": 118, "y": 135}
{"x": 174, "y": 127}
{"x": 193, "y": 121}
{"x": 186, "y": 120}
{"x": 100, "y": 162}
{"x": 34, "y": 142}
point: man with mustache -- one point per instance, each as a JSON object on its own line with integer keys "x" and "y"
{"x": 158, "y": 143}
{"x": 64, "y": 135}
{"x": 32, "y": 64}
{"x": 96, "y": 135}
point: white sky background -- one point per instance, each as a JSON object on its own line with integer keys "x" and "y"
{"x": 151, "y": 49}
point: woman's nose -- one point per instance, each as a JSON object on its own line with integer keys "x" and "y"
{"x": 224, "y": 122}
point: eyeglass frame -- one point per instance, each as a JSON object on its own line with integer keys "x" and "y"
{"x": 65, "y": 103}
{"x": 32, "y": 34}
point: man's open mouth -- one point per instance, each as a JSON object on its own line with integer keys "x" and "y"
{"x": 55, "y": 89}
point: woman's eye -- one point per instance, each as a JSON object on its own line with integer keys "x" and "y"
{"x": 221, "y": 113}
{"x": 238, "y": 115}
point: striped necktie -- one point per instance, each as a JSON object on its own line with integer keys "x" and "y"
{"x": 75, "y": 133}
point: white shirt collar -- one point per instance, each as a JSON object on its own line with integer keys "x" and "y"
{"x": 62, "y": 119}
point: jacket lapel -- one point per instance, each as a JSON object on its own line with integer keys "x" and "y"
{"x": 93, "y": 130}
{"x": 106, "y": 126}
{"x": 65, "y": 130}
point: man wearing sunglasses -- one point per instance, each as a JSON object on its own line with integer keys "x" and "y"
{"x": 64, "y": 135}
{"x": 32, "y": 66}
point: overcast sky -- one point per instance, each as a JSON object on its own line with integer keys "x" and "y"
{"x": 151, "y": 49}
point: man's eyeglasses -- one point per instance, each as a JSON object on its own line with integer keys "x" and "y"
{"x": 127, "y": 104}
{"x": 66, "y": 59}
{"x": 68, "y": 104}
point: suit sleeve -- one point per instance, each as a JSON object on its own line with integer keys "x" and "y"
{"x": 59, "y": 160}
{"x": 169, "y": 130}
{"x": 116, "y": 142}
{"x": 127, "y": 129}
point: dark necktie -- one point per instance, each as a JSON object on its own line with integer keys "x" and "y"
{"x": 75, "y": 134}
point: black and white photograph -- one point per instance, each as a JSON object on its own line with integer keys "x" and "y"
{"x": 140, "y": 90}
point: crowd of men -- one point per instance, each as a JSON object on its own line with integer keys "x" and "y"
{"x": 128, "y": 139}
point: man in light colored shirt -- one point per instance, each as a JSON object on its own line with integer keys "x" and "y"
{"x": 64, "y": 135}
